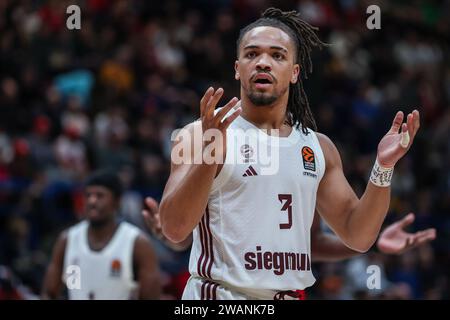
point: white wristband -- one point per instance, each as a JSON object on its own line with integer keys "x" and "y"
{"x": 381, "y": 176}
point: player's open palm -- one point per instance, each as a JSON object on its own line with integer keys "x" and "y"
{"x": 394, "y": 240}
{"x": 395, "y": 144}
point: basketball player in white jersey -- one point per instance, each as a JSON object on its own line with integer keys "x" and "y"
{"x": 252, "y": 231}
{"x": 102, "y": 258}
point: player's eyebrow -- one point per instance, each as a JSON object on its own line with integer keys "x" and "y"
{"x": 250, "y": 46}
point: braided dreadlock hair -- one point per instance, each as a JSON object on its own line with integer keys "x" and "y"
{"x": 304, "y": 37}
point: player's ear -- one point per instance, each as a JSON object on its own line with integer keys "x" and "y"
{"x": 295, "y": 73}
{"x": 236, "y": 67}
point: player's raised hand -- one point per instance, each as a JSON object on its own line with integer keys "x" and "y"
{"x": 394, "y": 240}
{"x": 151, "y": 217}
{"x": 219, "y": 120}
{"x": 395, "y": 144}
{"x": 153, "y": 222}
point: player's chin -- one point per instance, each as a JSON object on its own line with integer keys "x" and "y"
{"x": 93, "y": 218}
{"x": 96, "y": 221}
{"x": 262, "y": 90}
{"x": 262, "y": 98}
{"x": 94, "y": 215}
{"x": 262, "y": 87}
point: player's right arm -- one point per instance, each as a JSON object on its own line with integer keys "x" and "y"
{"x": 326, "y": 246}
{"x": 187, "y": 190}
{"x": 53, "y": 283}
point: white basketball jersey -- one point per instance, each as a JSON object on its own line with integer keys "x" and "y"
{"x": 255, "y": 234}
{"x": 105, "y": 274}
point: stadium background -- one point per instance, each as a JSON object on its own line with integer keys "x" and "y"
{"x": 110, "y": 94}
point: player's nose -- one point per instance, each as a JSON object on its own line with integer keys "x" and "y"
{"x": 263, "y": 63}
{"x": 92, "y": 200}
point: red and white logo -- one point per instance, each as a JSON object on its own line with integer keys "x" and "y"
{"x": 116, "y": 268}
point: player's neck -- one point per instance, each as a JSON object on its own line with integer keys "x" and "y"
{"x": 103, "y": 232}
{"x": 265, "y": 117}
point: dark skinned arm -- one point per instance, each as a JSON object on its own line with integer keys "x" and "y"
{"x": 53, "y": 283}
{"x": 147, "y": 269}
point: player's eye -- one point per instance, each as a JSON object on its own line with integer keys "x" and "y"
{"x": 278, "y": 56}
{"x": 250, "y": 54}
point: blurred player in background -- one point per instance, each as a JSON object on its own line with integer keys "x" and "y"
{"x": 115, "y": 260}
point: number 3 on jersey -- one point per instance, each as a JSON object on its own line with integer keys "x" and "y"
{"x": 286, "y": 201}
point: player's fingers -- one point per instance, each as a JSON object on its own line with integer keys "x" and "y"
{"x": 205, "y": 99}
{"x": 153, "y": 218}
{"x": 147, "y": 218}
{"x": 413, "y": 243}
{"x": 423, "y": 239}
{"x": 157, "y": 221}
{"x": 404, "y": 136}
{"x": 428, "y": 234}
{"x": 413, "y": 124}
{"x": 404, "y": 128}
{"x": 416, "y": 122}
{"x": 410, "y": 124}
{"x": 211, "y": 105}
{"x": 228, "y": 120}
{"x": 151, "y": 204}
{"x": 407, "y": 220}
{"x": 398, "y": 119}
{"x": 153, "y": 223}
{"x": 410, "y": 241}
{"x": 219, "y": 116}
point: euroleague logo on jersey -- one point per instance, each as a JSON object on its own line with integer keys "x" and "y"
{"x": 116, "y": 268}
{"x": 309, "y": 160}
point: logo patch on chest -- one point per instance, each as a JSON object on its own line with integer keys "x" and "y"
{"x": 250, "y": 172}
{"x": 247, "y": 153}
{"x": 309, "y": 159}
{"x": 116, "y": 268}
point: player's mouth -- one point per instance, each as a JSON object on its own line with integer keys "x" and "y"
{"x": 262, "y": 81}
{"x": 93, "y": 210}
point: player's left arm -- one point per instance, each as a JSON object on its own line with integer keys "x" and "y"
{"x": 147, "y": 269}
{"x": 357, "y": 222}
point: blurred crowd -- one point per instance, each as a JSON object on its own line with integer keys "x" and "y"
{"x": 111, "y": 94}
